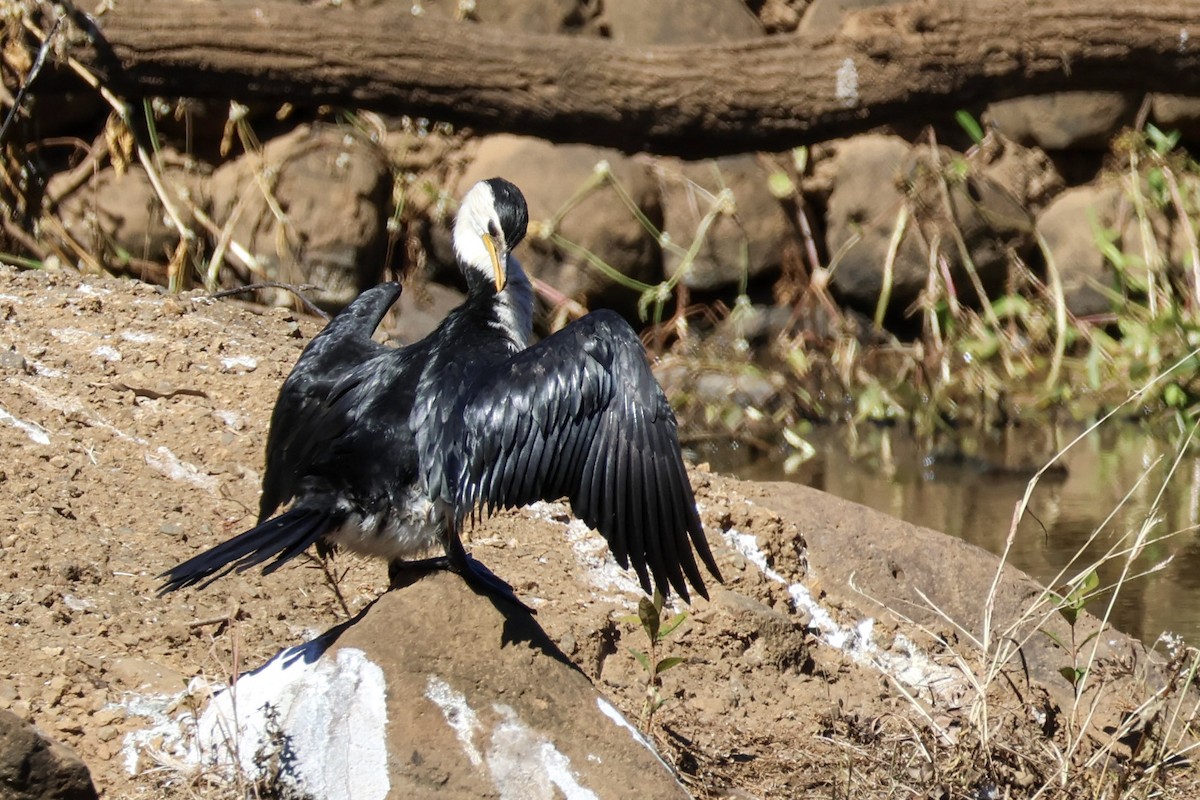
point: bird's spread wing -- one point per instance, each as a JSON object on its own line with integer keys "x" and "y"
{"x": 580, "y": 414}
{"x": 300, "y": 421}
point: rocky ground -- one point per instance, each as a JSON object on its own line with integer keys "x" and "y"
{"x": 133, "y": 425}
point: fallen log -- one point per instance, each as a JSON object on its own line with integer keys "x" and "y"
{"x": 914, "y": 61}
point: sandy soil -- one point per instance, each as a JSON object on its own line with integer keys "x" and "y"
{"x": 133, "y": 425}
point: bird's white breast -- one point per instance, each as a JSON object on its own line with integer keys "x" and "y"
{"x": 393, "y": 533}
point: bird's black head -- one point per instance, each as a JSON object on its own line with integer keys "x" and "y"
{"x": 511, "y": 211}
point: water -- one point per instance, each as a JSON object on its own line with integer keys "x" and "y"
{"x": 1115, "y": 489}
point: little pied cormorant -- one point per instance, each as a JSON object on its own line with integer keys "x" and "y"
{"x": 388, "y": 451}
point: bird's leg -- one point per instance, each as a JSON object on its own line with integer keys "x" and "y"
{"x": 476, "y": 574}
{"x": 400, "y": 571}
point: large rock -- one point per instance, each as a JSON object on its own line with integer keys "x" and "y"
{"x": 312, "y": 208}
{"x": 550, "y": 176}
{"x": 991, "y": 221}
{"x": 781, "y": 16}
{"x": 1064, "y": 120}
{"x": 1173, "y": 112}
{"x": 1084, "y": 220}
{"x": 876, "y": 176}
{"x": 869, "y": 558}
{"x": 1072, "y": 227}
{"x": 33, "y": 767}
{"x": 679, "y": 21}
{"x": 865, "y": 203}
{"x": 746, "y": 242}
{"x": 744, "y": 690}
{"x": 120, "y": 214}
{"x": 1026, "y": 173}
{"x": 826, "y": 16}
{"x": 435, "y": 691}
{"x": 527, "y": 16}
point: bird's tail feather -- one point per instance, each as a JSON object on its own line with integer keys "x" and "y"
{"x": 283, "y": 537}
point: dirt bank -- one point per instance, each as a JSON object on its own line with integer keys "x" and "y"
{"x": 133, "y": 425}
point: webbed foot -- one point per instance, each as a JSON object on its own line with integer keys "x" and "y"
{"x": 400, "y": 573}
{"x": 484, "y": 580}
{"x": 459, "y": 561}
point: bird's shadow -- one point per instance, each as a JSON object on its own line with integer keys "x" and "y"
{"x": 313, "y": 649}
{"x": 520, "y": 625}
{"x": 522, "y": 628}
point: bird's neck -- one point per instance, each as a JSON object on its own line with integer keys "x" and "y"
{"x": 514, "y": 305}
{"x": 510, "y": 310}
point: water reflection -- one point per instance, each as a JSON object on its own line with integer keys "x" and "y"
{"x": 1116, "y": 489}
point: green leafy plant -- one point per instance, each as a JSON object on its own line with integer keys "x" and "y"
{"x": 1070, "y": 606}
{"x": 657, "y": 628}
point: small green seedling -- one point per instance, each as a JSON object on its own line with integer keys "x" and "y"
{"x": 966, "y": 120}
{"x": 650, "y": 618}
{"x": 1071, "y": 606}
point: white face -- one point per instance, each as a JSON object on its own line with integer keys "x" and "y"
{"x": 476, "y": 220}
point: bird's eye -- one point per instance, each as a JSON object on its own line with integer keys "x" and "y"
{"x": 493, "y": 229}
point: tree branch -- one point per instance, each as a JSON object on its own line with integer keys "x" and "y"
{"x": 916, "y": 61}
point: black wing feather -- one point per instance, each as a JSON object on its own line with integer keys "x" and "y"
{"x": 319, "y": 374}
{"x": 618, "y": 494}
{"x": 606, "y": 457}
{"x": 639, "y": 527}
{"x": 665, "y": 521}
{"x": 580, "y": 414}
{"x": 282, "y": 537}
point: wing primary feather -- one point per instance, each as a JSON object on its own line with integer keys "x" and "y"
{"x": 555, "y": 458}
{"x": 479, "y": 477}
{"x": 513, "y": 461}
{"x": 505, "y": 427}
{"x": 693, "y": 537}
{"x": 541, "y": 464}
{"x": 574, "y": 449}
{"x": 700, "y": 541}
{"x": 691, "y": 533}
{"x": 618, "y": 466}
{"x": 599, "y": 479}
{"x": 507, "y": 468}
{"x": 526, "y": 471}
{"x": 631, "y": 526}
{"x": 612, "y": 482}
{"x": 580, "y": 446}
{"x": 654, "y": 536}
{"x": 585, "y": 502}
{"x": 468, "y": 493}
{"x": 495, "y": 477}
{"x": 676, "y": 497}
{"x": 638, "y": 529}
{"x": 609, "y": 501}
